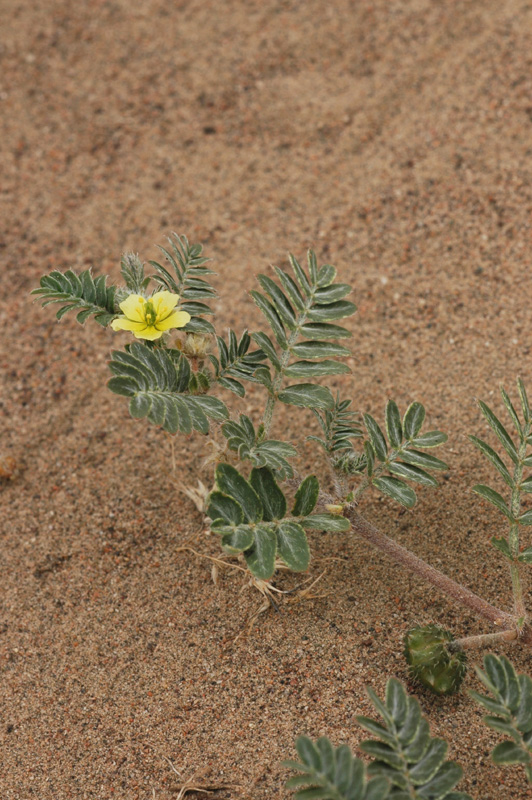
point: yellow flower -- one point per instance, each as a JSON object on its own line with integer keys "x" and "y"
{"x": 148, "y": 319}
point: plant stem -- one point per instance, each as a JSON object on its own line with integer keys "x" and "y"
{"x": 483, "y": 639}
{"x": 513, "y": 536}
{"x": 451, "y": 588}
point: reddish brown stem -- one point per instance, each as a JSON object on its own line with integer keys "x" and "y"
{"x": 483, "y": 639}
{"x": 451, "y": 588}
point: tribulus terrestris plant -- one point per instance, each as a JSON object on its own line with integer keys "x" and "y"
{"x": 172, "y": 375}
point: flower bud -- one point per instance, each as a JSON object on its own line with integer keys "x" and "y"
{"x": 196, "y": 345}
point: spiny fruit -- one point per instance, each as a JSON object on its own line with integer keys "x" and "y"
{"x": 432, "y": 662}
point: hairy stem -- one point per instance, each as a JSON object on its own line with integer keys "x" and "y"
{"x": 465, "y": 597}
{"x": 468, "y": 642}
{"x": 513, "y": 536}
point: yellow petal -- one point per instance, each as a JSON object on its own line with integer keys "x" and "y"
{"x": 150, "y": 333}
{"x": 123, "y": 324}
{"x": 176, "y": 320}
{"x": 164, "y": 302}
{"x": 132, "y": 307}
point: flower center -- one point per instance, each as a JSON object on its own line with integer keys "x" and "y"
{"x": 150, "y": 315}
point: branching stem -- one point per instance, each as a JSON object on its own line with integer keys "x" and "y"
{"x": 465, "y": 597}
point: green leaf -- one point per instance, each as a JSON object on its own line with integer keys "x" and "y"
{"x": 523, "y": 719}
{"x": 266, "y": 344}
{"x": 430, "y": 439}
{"x": 443, "y": 781}
{"x": 510, "y": 753}
{"x": 511, "y": 411}
{"x": 139, "y": 406}
{"x": 425, "y": 460}
{"x": 279, "y": 300}
{"x": 332, "y": 293}
{"x": 377, "y": 729}
{"x": 433, "y": 759}
{"x": 494, "y": 458}
{"x": 526, "y": 485}
{"x": 233, "y": 386}
{"x": 238, "y": 541}
{"x": 272, "y": 316}
{"x": 493, "y": 497}
{"x": 396, "y": 701}
{"x": 378, "y": 789}
{"x": 499, "y": 430}
{"x": 312, "y": 268}
{"x": 211, "y": 406}
{"x": 524, "y": 400}
{"x": 221, "y": 506}
{"x": 397, "y": 490}
{"x": 231, "y": 482}
{"x": 394, "y": 428}
{"x": 312, "y": 369}
{"x": 272, "y": 499}
{"x": 498, "y": 724}
{"x": 328, "y": 311}
{"x": 307, "y": 395}
{"x": 382, "y": 752}
{"x": 319, "y": 349}
{"x": 326, "y": 522}
{"x": 83, "y": 293}
{"x": 306, "y": 497}
{"x": 308, "y": 753}
{"x": 370, "y": 457}
{"x": 263, "y": 375}
{"x": 123, "y": 385}
{"x": 292, "y": 546}
{"x": 525, "y": 556}
{"x": 291, "y": 288}
{"x": 412, "y": 473}
{"x": 413, "y": 420}
{"x": 300, "y": 275}
{"x": 260, "y": 558}
{"x": 326, "y": 275}
{"x": 502, "y": 545}
{"x": 324, "y": 330}
{"x": 377, "y": 437}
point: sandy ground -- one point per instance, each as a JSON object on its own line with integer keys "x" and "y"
{"x": 394, "y": 136}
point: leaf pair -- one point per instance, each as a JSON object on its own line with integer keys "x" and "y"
{"x": 303, "y": 305}
{"x": 89, "y": 296}
{"x": 339, "y": 425}
{"x": 157, "y": 386}
{"x": 398, "y": 454}
{"x": 509, "y": 704}
{"x": 187, "y": 280}
{"x": 235, "y": 362}
{"x": 244, "y": 440}
{"x": 408, "y": 763}
{"x": 513, "y": 476}
{"x": 251, "y": 518}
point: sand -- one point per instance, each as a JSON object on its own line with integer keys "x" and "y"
{"x": 395, "y": 137}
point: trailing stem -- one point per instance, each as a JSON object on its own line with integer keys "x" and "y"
{"x": 465, "y": 597}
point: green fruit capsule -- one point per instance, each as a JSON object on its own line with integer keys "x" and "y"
{"x": 432, "y": 662}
